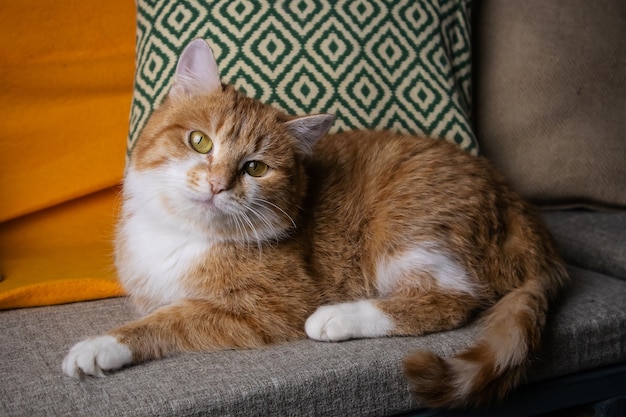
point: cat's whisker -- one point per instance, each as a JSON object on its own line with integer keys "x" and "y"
{"x": 254, "y": 230}
{"x": 270, "y": 222}
{"x": 262, "y": 200}
{"x": 239, "y": 229}
{"x": 270, "y": 225}
{"x": 262, "y": 216}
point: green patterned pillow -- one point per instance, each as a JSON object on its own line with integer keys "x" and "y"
{"x": 403, "y": 65}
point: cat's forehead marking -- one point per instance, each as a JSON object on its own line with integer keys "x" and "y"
{"x": 238, "y": 140}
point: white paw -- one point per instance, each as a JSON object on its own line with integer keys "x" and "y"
{"x": 337, "y": 322}
{"x": 95, "y": 356}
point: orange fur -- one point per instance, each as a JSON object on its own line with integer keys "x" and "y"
{"x": 332, "y": 220}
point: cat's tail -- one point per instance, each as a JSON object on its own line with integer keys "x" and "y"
{"x": 489, "y": 369}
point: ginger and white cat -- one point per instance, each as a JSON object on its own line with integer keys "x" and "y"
{"x": 242, "y": 226}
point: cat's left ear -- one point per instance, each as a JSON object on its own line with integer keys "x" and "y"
{"x": 196, "y": 71}
{"x": 309, "y": 129}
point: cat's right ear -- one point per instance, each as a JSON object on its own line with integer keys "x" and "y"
{"x": 196, "y": 71}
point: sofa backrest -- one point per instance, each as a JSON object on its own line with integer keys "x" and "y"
{"x": 550, "y": 97}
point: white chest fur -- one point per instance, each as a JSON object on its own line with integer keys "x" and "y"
{"x": 157, "y": 258}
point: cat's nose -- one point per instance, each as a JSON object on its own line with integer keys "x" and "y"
{"x": 217, "y": 187}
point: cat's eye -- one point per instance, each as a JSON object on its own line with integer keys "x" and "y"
{"x": 255, "y": 168}
{"x": 200, "y": 142}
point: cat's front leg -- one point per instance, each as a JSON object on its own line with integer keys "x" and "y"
{"x": 95, "y": 356}
{"x": 188, "y": 325}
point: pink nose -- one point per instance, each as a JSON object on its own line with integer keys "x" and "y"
{"x": 217, "y": 186}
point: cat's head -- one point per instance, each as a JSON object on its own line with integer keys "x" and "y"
{"x": 215, "y": 161}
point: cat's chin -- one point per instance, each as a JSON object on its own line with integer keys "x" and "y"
{"x": 207, "y": 203}
{"x": 204, "y": 201}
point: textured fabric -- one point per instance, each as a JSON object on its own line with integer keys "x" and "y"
{"x": 588, "y": 329}
{"x": 59, "y": 255}
{"x": 549, "y": 103}
{"x": 59, "y": 291}
{"x": 355, "y": 378}
{"x": 401, "y": 65}
{"x": 66, "y": 71}
{"x": 591, "y": 240}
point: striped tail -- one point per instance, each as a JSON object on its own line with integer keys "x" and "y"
{"x": 488, "y": 370}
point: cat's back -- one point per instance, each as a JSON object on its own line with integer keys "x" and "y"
{"x": 370, "y": 166}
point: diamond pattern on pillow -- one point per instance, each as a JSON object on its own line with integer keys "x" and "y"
{"x": 397, "y": 65}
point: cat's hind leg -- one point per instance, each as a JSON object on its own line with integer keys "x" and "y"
{"x": 351, "y": 320}
{"x": 410, "y": 313}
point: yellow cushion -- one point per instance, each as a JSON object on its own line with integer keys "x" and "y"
{"x": 66, "y": 70}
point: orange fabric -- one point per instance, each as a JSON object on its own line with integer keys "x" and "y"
{"x": 66, "y": 71}
{"x": 61, "y": 254}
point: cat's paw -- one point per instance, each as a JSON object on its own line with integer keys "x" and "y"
{"x": 332, "y": 323}
{"x": 95, "y": 356}
{"x": 337, "y": 322}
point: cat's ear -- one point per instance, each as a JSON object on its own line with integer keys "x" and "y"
{"x": 196, "y": 71}
{"x": 309, "y": 129}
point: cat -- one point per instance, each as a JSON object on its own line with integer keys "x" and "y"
{"x": 242, "y": 226}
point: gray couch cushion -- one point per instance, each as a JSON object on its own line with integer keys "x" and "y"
{"x": 587, "y": 329}
{"x": 360, "y": 378}
{"x": 591, "y": 240}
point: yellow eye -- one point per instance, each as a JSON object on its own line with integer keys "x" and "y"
{"x": 200, "y": 142}
{"x": 255, "y": 168}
